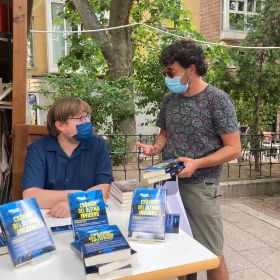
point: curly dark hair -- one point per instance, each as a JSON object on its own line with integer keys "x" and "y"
{"x": 186, "y": 53}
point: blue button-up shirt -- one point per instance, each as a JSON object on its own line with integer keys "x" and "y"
{"x": 48, "y": 167}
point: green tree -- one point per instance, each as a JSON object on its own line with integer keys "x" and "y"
{"x": 112, "y": 69}
{"x": 106, "y": 58}
{"x": 257, "y": 71}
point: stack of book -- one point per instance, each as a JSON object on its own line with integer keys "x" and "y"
{"x": 102, "y": 247}
{"x": 162, "y": 171}
{"x": 121, "y": 193}
{"x": 105, "y": 252}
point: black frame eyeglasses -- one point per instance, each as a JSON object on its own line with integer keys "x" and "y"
{"x": 81, "y": 118}
{"x": 168, "y": 72}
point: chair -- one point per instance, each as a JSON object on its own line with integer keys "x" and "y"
{"x": 24, "y": 134}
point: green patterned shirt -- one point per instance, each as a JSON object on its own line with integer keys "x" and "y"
{"x": 194, "y": 125}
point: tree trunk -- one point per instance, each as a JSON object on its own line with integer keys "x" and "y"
{"x": 120, "y": 65}
{"x": 117, "y": 47}
{"x": 121, "y": 59}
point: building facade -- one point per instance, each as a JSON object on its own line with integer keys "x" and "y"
{"x": 226, "y": 20}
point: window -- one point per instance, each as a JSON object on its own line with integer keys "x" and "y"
{"x": 32, "y": 112}
{"x": 30, "y": 49}
{"x": 58, "y": 44}
{"x": 239, "y": 14}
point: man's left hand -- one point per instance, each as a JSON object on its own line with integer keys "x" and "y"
{"x": 190, "y": 167}
{"x": 60, "y": 210}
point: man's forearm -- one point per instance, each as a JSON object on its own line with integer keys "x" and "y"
{"x": 105, "y": 188}
{"x": 221, "y": 156}
{"x": 47, "y": 198}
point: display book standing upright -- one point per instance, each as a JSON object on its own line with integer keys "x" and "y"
{"x": 158, "y": 174}
{"x": 148, "y": 214}
{"x": 91, "y": 230}
{"x": 25, "y": 231}
{"x": 88, "y": 210}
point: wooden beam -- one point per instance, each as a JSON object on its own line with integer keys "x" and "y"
{"x": 20, "y": 19}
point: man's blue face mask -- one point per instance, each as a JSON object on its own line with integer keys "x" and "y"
{"x": 174, "y": 84}
{"x": 84, "y": 131}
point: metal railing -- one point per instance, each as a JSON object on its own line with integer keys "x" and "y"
{"x": 260, "y": 157}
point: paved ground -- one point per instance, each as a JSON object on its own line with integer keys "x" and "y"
{"x": 252, "y": 237}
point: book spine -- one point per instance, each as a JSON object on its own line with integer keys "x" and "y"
{"x": 149, "y": 174}
{"x": 121, "y": 199}
{"x": 158, "y": 178}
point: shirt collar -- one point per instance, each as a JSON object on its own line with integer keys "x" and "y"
{"x": 52, "y": 144}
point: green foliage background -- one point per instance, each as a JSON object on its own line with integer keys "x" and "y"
{"x": 84, "y": 71}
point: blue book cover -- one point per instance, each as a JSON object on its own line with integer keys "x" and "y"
{"x": 147, "y": 217}
{"x": 164, "y": 167}
{"x": 172, "y": 223}
{"x": 103, "y": 244}
{"x": 104, "y": 268}
{"x": 158, "y": 166}
{"x": 87, "y": 210}
{"x": 61, "y": 229}
{"x": 26, "y": 233}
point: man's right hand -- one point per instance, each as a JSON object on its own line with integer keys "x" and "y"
{"x": 148, "y": 150}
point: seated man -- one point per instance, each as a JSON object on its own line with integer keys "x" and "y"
{"x": 70, "y": 159}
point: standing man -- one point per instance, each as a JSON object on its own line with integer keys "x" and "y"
{"x": 70, "y": 159}
{"x": 198, "y": 126}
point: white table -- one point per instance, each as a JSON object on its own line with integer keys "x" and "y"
{"x": 179, "y": 254}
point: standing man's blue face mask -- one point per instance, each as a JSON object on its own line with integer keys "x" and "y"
{"x": 175, "y": 85}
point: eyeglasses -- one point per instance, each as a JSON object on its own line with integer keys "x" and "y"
{"x": 168, "y": 72}
{"x": 81, "y": 118}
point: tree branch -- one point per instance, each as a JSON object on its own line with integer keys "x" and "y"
{"x": 119, "y": 12}
{"x": 91, "y": 21}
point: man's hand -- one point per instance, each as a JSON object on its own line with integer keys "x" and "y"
{"x": 190, "y": 167}
{"x": 148, "y": 150}
{"x": 60, "y": 210}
